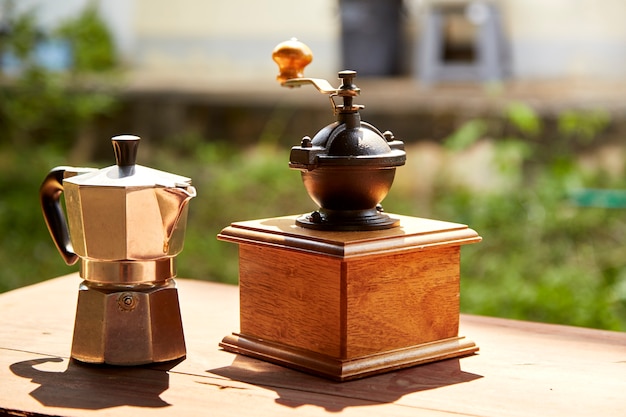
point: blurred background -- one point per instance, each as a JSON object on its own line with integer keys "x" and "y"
{"x": 512, "y": 111}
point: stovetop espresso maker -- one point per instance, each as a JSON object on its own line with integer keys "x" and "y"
{"x": 126, "y": 224}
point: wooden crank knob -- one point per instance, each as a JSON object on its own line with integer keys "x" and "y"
{"x": 291, "y": 56}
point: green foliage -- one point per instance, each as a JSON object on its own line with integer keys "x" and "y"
{"x": 93, "y": 48}
{"x": 38, "y": 105}
{"x": 22, "y": 38}
{"x": 524, "y": 118}
{"x": 585, "y": 125}
{"x": 510, "y": 157}
{"x": 26, "y": 250}
{"x": 542, "y": 257}
{"x": 466, "y": 135}
{"x": 42, "y": 113}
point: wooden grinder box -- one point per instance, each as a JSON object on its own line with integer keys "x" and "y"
{"x": 345, "y": 305}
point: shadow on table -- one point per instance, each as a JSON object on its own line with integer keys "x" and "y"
{"x": 296, "y": 389}
{"x": 95, "y": 387}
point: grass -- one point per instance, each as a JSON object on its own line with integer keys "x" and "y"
{"x": 543, "y": 257}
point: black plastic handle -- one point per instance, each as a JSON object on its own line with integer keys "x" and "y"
{"x": 49, "y": 196}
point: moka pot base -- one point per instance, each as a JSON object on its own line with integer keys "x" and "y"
{"x": 128, "y": 313}
{"x": 345, "y": 305}
{"x": 128, "y": 325}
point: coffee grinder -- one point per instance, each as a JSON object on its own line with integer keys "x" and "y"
{"x": 347, "y": 290}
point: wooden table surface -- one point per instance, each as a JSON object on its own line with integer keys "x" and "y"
{"x": 522, "y": 369}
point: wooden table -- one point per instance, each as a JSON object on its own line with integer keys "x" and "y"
{"x": 522, "y": 369}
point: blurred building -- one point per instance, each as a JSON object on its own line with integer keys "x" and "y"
{"x": 233, "y": 38}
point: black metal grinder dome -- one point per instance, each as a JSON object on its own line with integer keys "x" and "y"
{"x": 349, "y": 166}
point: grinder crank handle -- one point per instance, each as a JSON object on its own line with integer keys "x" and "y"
{"x": 49, "y": 196}
{"x": 292, "y": 57}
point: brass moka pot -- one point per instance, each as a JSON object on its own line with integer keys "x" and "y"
{"x": 126, "y": 223}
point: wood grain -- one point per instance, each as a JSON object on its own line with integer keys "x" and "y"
{"x": 414, "y": 233}
{"x": 402, "y": 300}
{"x": 523, "y": 369}
{"x": 359, "y": 298}
{"x": 291, "y": 297}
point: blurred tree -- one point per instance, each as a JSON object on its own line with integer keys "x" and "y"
{"x": 39, "y": 102}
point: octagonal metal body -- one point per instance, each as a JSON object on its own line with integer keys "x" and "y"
{"x": 124, "y": 223}
{"x": 131, "y": 326}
